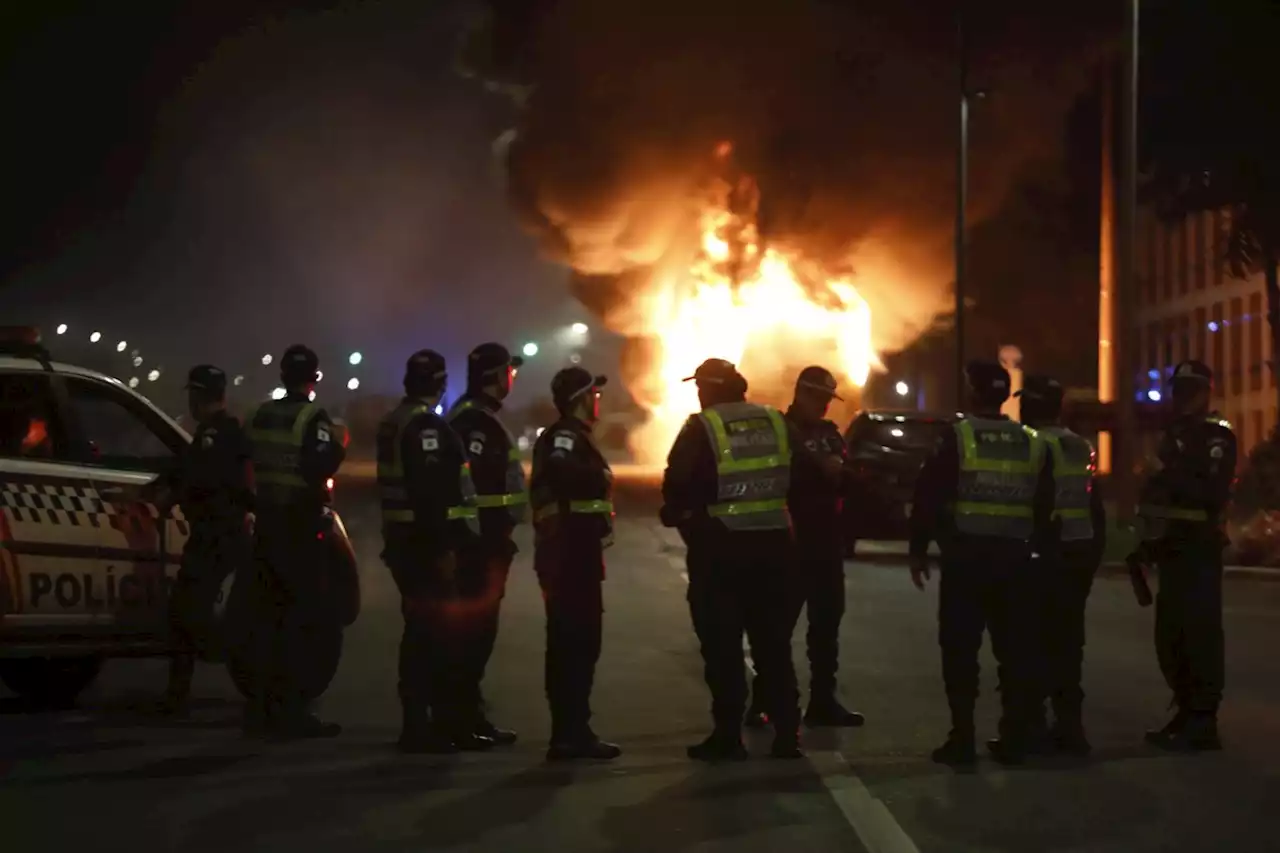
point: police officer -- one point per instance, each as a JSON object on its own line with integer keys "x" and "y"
{"x": 982, "y": 496}
{"x": 503, "y": 499}
{"x": 725, "y": 489}
{"x": 1067, "y": 559}
{"x": 214, "y": 490}
{"x": 294, "y": 452}
{"x": 817, "y": 488}
{"x": 1181, "y": 513}
{"x": 572, "y": 488}
{"x": 428, "y": 516}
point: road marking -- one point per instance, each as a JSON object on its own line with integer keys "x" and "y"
{"x": 875, "y": 826}
{"x": 868, "y": 817}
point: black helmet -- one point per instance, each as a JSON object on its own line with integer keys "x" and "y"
{"x": 571, "y": 383}
{"x": 299, "y": 364}
{"x": 1041, "y": 396}
{"x": 818, "y": 379}
{"x": 487, "y": 361}
{"x": 208, "y": 380}
{"x": 988, "y": 380}
{"x": 425, "y": 371}
{"x": 714, "y": 371}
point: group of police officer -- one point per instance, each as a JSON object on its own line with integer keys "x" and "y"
{"x": 756, "y": 496}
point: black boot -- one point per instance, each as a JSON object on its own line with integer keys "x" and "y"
{"x": 958, "y": 750}
{"x": 755, "y": 718}
{"x": 1199, "y": 734}
{"x": 500, "y": 737}
{"x": 720, "y": 745}
{"x": 1158, "y": 737}
{"x": 1008, "y": 750}
{"x": 786, "y": 743}
{"x": 583, "y": 746}
{"x": 826, "y": 711}
{"x": 420, "y": 736}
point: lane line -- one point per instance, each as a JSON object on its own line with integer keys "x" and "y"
{"x": 868, "y": 817}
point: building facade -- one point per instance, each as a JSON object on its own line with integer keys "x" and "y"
{"x": 1189, "y": 306}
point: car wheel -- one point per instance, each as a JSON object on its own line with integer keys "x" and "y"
{"x": 50, "y": 682}
{"x": 324, "y": 652}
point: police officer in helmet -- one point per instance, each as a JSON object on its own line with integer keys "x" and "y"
{"x": 983, "y": 496}
{"x": 213, "y": 487}
{"x": 1068, "y": 557}
{"x": 572, "y": 489}
{"x": 725, "y": 489}
{"x": 295, "y": 450}
{"x": 503, "y": 499}
{"x": 1181, "y": 513}
{"x": 816, "y": 498}
{"x": 428, "y": 517}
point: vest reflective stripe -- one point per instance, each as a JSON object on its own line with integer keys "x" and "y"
{"x": 277, "y": 430}
{"x": 391, "y": 483}
{"x": 1074, "y": 462}
{"x": 753, "y": 465}
{"x": 516, "y": 498}
{"x": 1000, "y": 465}
{"x": 583, "y": 507}
{"x": 1155, "y": 517}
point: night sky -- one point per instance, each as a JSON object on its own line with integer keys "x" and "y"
{"x": 212, "y": 181}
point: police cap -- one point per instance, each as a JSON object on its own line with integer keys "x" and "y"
{"x": 299, "y": 363}
{"x": 207, "y": 378}
{"x": 988, "y": 378}
{"x": 714, "y": 371}
{"x": 572, "y": 382}
{"x": 1041, "y": 389}
{"x": 818, "y": 379}
{"x": 491, "y": 358}
{"x": 425, "y": 367}
{"x": 1193, "y": 371}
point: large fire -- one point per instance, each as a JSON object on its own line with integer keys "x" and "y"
{"x": 752, "y": 305}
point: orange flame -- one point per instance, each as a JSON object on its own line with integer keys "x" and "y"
{"x": 750, "y": 306}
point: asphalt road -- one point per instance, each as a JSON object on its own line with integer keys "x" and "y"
{"x": 108, "y": 776}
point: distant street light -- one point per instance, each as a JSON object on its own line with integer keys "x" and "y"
{"x": 95, "y": 337}
{"x": 62, "y": 329}
{"x": 137, "y": 361}
{"x": 353, "y": 384}
{"x": 530, "y": 349}
{"x": 278, "y": 394}
{"x": 439, "y": 409}
{"x": 266, "y": 359}
{"x": 239, "y": 380}
{"x": 312, "y": 396}
{"x": 153, "y": 376}
{"x": 579, "y": 328}
{"x": 575, "y": 359}
{"x": 355, "y": 358}
{"x": 902, "y": 388}
{"x": 122, "y": 346}
{"x": 133, "y": 382}
{"x": 319, "y": 375}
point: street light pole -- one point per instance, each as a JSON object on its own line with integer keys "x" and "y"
{"x": 962, "y": 200}
{"x": 1126, "y": 438}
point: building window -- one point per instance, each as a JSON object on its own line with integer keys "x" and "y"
{"x": 1184, "y": 336}
{"x": 1220, "y": 225}
{"x": 1256, "y": 366}
{"x": 1256, "y": 432}
{"x": 1218, "y": 362}
{"x": 1167, "y": 271}
{"x": 1201, "y": 249}
{"x": 1153, "y": 347}
{"x": 1236, "y": 342}
{"x": 1201, "y": 332}
{"x": 1183, "y": 234}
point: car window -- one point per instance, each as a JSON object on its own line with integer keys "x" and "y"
{"x": 120, "y": 430}
{"x": 29, "y": 424}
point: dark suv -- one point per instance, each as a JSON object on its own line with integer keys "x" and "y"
{"x": 887, "y": 448}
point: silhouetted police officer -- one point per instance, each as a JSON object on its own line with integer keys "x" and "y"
{"x": 295, "y": 452}
{"x": 214, "y": 490}
{"x": 725, "y": 488}
{"x": 1068, "y": 558}
{"x": 503, "y": 499}
{"x": 572, "y": 489}
{"x": 982, "y": 496}
{"x": 815, "y": 500}
{"x": 1181, "y": 512}
{"x": 428, "y": 517}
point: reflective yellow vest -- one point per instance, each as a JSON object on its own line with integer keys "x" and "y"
{"x": 1074, "y": 463}
{"x": 1000, "y": 464}
{"x": 277, "y": 431}
{"x": 396, "y": 508}
{"x": 753, "y": 465}
{"x": 516, "y": 497}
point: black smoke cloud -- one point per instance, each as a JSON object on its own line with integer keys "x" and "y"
{"x": 844, "y": 113}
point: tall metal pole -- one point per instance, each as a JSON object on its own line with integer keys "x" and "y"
{"x": 1107, "y": 266}
{"x": 1126, "y": 439}
{"x": 962, "y": 200}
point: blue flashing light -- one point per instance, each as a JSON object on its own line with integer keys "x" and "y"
{"x": 439, "y": 410}
{"x": 1153, "y": 374}
{"x": 1213, "y": 326}
{"x": 1153, "y": 395}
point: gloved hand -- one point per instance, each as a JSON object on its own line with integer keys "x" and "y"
{"x": 919, "y": 571}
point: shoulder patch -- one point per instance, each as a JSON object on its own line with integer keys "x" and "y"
{"x": 563, "y": 442}
{"x": 1216, "y": 452}
{"x": 322, "y": 434}
{"x": 476, "y": 445}
{"x": 430, "y": 439}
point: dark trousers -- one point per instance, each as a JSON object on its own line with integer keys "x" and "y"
{"x": 575, "y": 612}
{"x": 1189, "y": 641}
{"x": 294, "y": 620}
{"x": 998, "y": 595}
{"x": 1064, "y": 583}
{"x": 431, "y": 682}
{"x": 482, "y": 584}
{"x": 210, "y": 556}
{"x": 745, "y": 591}
{"x": 820, "y": 591}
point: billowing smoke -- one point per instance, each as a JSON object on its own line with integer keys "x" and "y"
{"x": 843, "y": 113}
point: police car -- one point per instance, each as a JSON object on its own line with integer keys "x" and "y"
{"x": 86, "y": 555}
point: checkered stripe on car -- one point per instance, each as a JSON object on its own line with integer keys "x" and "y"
{"x": 77, "y": 505}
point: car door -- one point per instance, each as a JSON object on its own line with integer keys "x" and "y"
{"x": 127, "y": 447}
{"x": 49, "y": 526}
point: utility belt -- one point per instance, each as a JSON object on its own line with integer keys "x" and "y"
{"x": 546, "y": 518}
